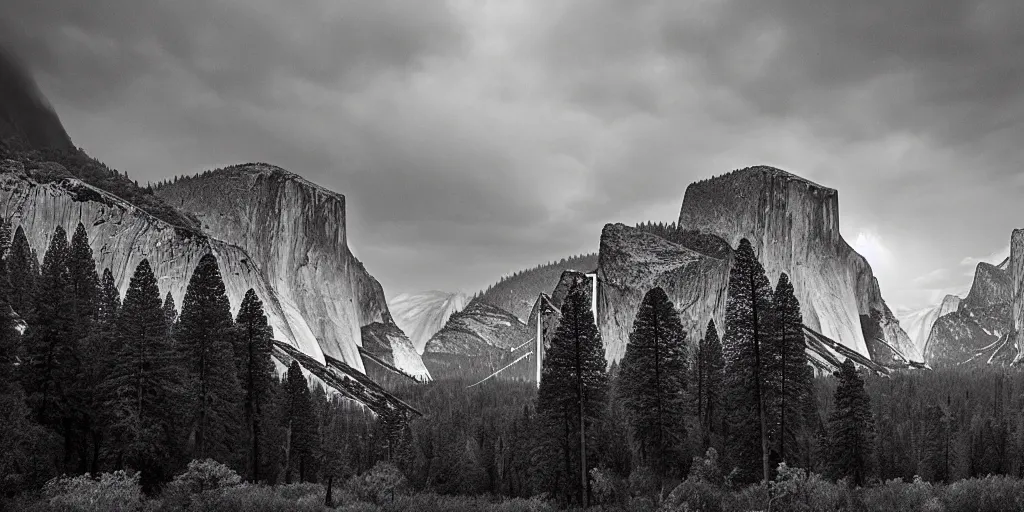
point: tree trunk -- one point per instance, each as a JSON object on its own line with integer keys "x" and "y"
{"x": 765, "y": 466}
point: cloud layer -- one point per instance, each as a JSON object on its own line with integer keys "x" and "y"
{"x": 476, "y": 138}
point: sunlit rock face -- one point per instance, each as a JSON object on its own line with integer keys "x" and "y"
{"x": 387, "y": 343}
{"x": 981, "y": 330}
{"x": 422, "y": 314}
{"x": 294, "y": 231}
{"x": 122, "y": 235}
{"x": 918, "y": 324}
{"x": 793, "y": 225}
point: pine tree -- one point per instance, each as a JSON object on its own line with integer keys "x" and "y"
{"x": 653, "y": 384}
{"x": 708, "y": 376}
{"x": 747, "y": 332}
{"x": 935, "y": 455}
{"x": 143, "y": 384}
{"x": 572, "y": 397}
{"x": 22, "y": 274}
{"x": 170, "y": 313}
{"x": 84, "y": 281}
{"x": 792, "y": 401}
{"x": 90, "y": 348}
{"x": 301, "y": 423}
{"x": 203, "y": 340}
{"x": 49, "y": 344}
{"x": 110, "y": 299}
{"x": 253, "y": 340}
{"x": 851, "y": 427}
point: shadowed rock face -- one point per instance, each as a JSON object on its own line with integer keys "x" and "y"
{"x": 122, "y": 235}
{"x": 295, "y": 232}
{"x": 980, "y": 331}
{"x": 474, "y": 342}
{"x": 25, "y": 114}
{"x": 632, "y": 262}
{"x": 793, "y": 225}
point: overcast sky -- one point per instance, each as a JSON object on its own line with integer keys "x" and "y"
{"x": 474, "y": 138}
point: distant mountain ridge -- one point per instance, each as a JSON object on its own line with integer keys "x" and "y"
{"x": 422, "y": 314}
{"x": 517, "y": 293}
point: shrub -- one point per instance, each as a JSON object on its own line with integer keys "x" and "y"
{"x": 898, "y": 495}
{"x": 118, "y": 491}
{"x": 205, "y": 475}
{"x": 380, "y": 484}
{"x": 989, "y": 494}
{"x": 248, "y": 497}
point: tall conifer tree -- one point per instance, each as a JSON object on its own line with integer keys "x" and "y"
{"x": 22, "y": 273}
{"x": 851, "y": 427}
{"x": 143, "y": 386}
{"x": 89, "y": 349}
{"x": 652, "y": 384}
{"x": 170, "y": 313}
{"x": 572, "y": 397}
{"x": 708, "y": 376}
{"x": 110, "y": 299}
{"x": 792, "y": 393}
{"x": 253, "y": 340}
{"x": 203, "y": 340}
{"x": 49, "y": 344}
{"x": 747, "y": 333}
{"x": 301, "y": 422}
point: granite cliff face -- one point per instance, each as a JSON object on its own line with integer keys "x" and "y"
{"x": 422, "y": 314}
{"x": 295, "y": 232}
{"x": 122, "y": 235}
{"x": 1015, "y": 267}
{"x": 633, "y": 261}
{"x": 793, "y": 225}
{"x": 981, "y": 330}
{"x": 386, "y": 350}
{"x": 474, "y": 342}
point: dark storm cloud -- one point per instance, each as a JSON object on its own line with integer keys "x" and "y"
{"x": 476, "y": 138}
{"x": 233, "y": 47}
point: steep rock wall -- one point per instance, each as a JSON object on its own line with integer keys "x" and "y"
{"x": 295, "y": 231}
{"x": 122, "y": 235}
{"x": 633, "y": 261}
{"x": 980, "y": 331}
{"x": 1016, "y": 273}
{"x": 793, "y": 225}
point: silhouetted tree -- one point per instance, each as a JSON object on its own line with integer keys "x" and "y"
{"x": 708, "y": 378}
{"x": 851, "y": 427}
{"x": 571, "y": 398}
{"x": 747, "y": 333}
{"x": 253, "y": 337}
{"x": 143, "y": 387}
{"x": 203, "y": 340}
{"x": 652, "y": 385}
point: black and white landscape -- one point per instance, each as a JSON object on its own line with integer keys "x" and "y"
{"x": 511, "y": 255}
